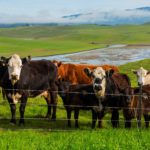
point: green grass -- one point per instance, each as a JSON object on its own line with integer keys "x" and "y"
{"x": 37, "y": 41}
{"x": 40, "y": 133}
{"x": 104, "y": 139}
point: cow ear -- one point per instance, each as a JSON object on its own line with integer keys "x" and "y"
{"x": 148, "y": 72}
{"x": 134, "y": 71}
{"x": 57, "y": 63}
{"x": 88, "y": 72}
{"x": 4, "y": 61}
{"x": 29, "y": 58}
{"x": 26, "y": 60}
{"x": 109, "y": 73}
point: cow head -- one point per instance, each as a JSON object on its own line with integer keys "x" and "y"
{"x": 14, "y": 64}
{"x": 63, "y": 87}
{"x": 99, "y": 76}
{"x": 57, "y": 63}
{"x": 141, "y": 74}
{"x": 61, "y": 69}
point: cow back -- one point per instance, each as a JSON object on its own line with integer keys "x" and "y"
{"x": 75, "y": 72}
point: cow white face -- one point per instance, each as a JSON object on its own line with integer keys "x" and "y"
{"x": 14, "y": 68}
{"x": 141, "y": 75}
{"x": 99, "y": 80}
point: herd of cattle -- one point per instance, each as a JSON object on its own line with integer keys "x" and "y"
{"x": 100, "y": 89}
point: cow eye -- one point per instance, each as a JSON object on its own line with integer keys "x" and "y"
{"x": 93, "y": 76}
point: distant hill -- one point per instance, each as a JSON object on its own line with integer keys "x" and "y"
{"x": 11, "y": 25}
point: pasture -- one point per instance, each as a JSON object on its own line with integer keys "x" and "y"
{"x": 42, "y": 41}
{"x": 40, "y": 133}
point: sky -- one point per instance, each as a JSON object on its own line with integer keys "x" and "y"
{"x": 53, "y": 10}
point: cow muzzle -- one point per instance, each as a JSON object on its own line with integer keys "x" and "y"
{"x": 14, "y": 79}
{"x": 97, "y": 87}
{"x": 140, "y": 84}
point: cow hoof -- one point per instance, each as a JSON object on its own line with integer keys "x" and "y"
{"x": 69, "y": 125}
{"x": 53, "y": 119}
{"x": 76, "y": 126}
{"x": 21, "y": 123}
{"x": 13, "y": 122}
{"x": 48, "y": 116}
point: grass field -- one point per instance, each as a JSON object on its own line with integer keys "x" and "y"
{"x": 40, "y": 133}
{"x": 109, "y": 139}
{"x": 41, "y": 41}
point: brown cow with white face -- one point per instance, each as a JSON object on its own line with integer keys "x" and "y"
{"x": 112, "y": 89}
{"x": 143, "y": 76}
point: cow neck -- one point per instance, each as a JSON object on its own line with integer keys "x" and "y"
{"x": 13, "y": 89}
{"x": 110, "y": 86}
{"x": 66, "y": 71}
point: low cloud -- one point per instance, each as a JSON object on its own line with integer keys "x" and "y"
{"x": 112, "y": 17}
{"x": 134, "y": 16}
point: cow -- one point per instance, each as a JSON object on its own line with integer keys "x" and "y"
{"x": 74, "y": 72}
{"x": 113, "y": 90}
{"x": 77, "y": 97}
{"x": 143, "y": 76}
{"x": 23, "y": 78}
{"x": 135, "y": 99}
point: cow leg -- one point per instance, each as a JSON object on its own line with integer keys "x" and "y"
{"x": 146, "y": 117}
{"x": 127, "y": 116}
{"x": 22, "y": 110}
{"x": 13, "y": 113}
{"x": 12, "y": 108}
{"x": 48, "y": 101}
{"x": 100, "y": 116}
{"x": 94, "y": 118}
{"x": 54, "y": 101}
{"x": 76, "y": 116}
{"x": 69, "y": 117}
{"x": 115, "y": 118}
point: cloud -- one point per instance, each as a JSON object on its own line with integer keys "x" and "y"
{"x": 132, "y": 16}
{"x": 111, "y": 17}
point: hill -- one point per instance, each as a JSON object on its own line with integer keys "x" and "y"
{"x": 49, "y": 40}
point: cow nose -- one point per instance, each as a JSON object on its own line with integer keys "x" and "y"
{"x": 98, "y": 80}
{"x": 139, "y": 84}
{"x": 97, "y": 87}
{"x": 14, "y": 77}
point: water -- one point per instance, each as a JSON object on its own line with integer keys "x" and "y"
{"x": 114, "y": 54}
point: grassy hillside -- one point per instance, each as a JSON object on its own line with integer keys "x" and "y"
{"x": 37, "y": 41}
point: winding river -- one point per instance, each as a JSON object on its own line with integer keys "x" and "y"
{"x": 114, "y": 54}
